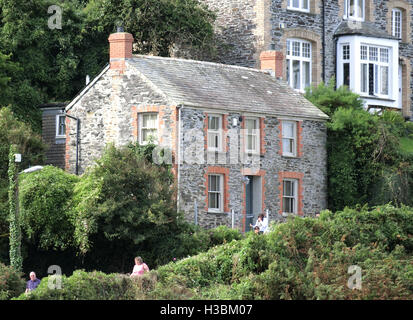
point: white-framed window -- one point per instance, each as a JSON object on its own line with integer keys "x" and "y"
{"x": 396, "y": 23}
{"x": 215, "y": 192}
{"x": 301, "y": 5}
{"x": 290, "y": 196}
{"x": 61, "y": 126}
{"x": 252, "y": 135}
{"x": 214, "y": 132}
{"x": 148, "y": 124}
{"x": 289, "y": 138}
{"x": 354, "y": 9}
{"x": 298, "y": 64}
{"x": 345, "y": 56}
{"x": 375, "y": 70}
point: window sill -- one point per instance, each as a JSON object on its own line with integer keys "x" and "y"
{"x": 300, "y": 10}
{"x": 375, "y": 97}
{"x": 216, "y": 212}
{"x": 250, "y": 154}
{"x": 287, "y": 214}
{"x": 290, "y": 156}
{"x": 216, "y": 152}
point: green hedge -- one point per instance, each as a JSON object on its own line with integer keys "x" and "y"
{"x": 303, "y": 258}
{"x": 86, "y": 286}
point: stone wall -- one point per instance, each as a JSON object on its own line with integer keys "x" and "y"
{"x": 108, "y": 115}
{"x": 250, "y": 27}
{"x": 312, "y": 165}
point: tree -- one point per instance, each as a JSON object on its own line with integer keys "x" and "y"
{"x": 121, "y": 203}
{"x": 7, "y": 68}
{"x": 30, "y": 145}
{"x": 45, "y": 198}
{"x": 54, "y": 62}
{"x": 365, "y": 160}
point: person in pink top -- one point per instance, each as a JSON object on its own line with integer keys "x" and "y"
{"x": 140, "y": 267}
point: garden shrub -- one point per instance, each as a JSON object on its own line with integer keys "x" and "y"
{"x": 11, "y": 282}
{"x": 303, "y": 258}
{"x": 45, "y": 199}
{"x": 86, "y": 286}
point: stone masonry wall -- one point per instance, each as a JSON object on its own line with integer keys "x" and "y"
{"x": 108, "y": 115}
{"x": 312, "y": 164}
{"x": 249, "y": 27}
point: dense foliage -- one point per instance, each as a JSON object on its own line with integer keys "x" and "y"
{"x": 30, "y": 145}
{"x": 123, "y": 206}
{"x": 304, "y": 258}
{"x": 11, "y": 282}
{"x": 40, "y": 64}
{"x": 45, "y": 207}
{"x": 367, "y": 163}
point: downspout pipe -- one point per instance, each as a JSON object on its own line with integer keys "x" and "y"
{"x": 324, "y": 41}
{"x": 77, "y": 139}
{"x": 178, "y": 158}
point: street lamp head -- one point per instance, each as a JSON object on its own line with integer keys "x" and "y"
{"x": 32, "y": 169}
{"x": 17, "y": 157}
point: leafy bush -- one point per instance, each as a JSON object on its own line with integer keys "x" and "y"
{"x": 30, "y": 145}
{"x": 11, "y": 282}
{"x": 303, "y": 258}
{"x": 368, "y": 158}
{"x": 45, "y": 200}
{"x": 85, "y": 286}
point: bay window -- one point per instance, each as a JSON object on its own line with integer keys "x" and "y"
{"x": 374, "y": 70}
{"x": 346, "y": 64}
{"x": 298, "y": 64}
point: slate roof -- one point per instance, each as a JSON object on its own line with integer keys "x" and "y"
{"x": 363, "y": 28}
{"x": 225, "y": 87}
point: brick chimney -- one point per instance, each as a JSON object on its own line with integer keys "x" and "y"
{"x": 120, "y": 49}
{"x": 273, "y": 61}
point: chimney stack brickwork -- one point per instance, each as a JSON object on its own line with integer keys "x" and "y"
{"x": 272, "y": 60}
{"x": 120, "y": 49}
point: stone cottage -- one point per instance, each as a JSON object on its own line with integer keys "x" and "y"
{"x": 365, "y": 44}
{"x": 239, "y": 139}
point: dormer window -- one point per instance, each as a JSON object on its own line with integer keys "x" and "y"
{"x": 300, "y": 5}
{"x": 354, "y": 10}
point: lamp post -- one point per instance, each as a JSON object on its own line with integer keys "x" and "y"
{"x": 16, "y": 259}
